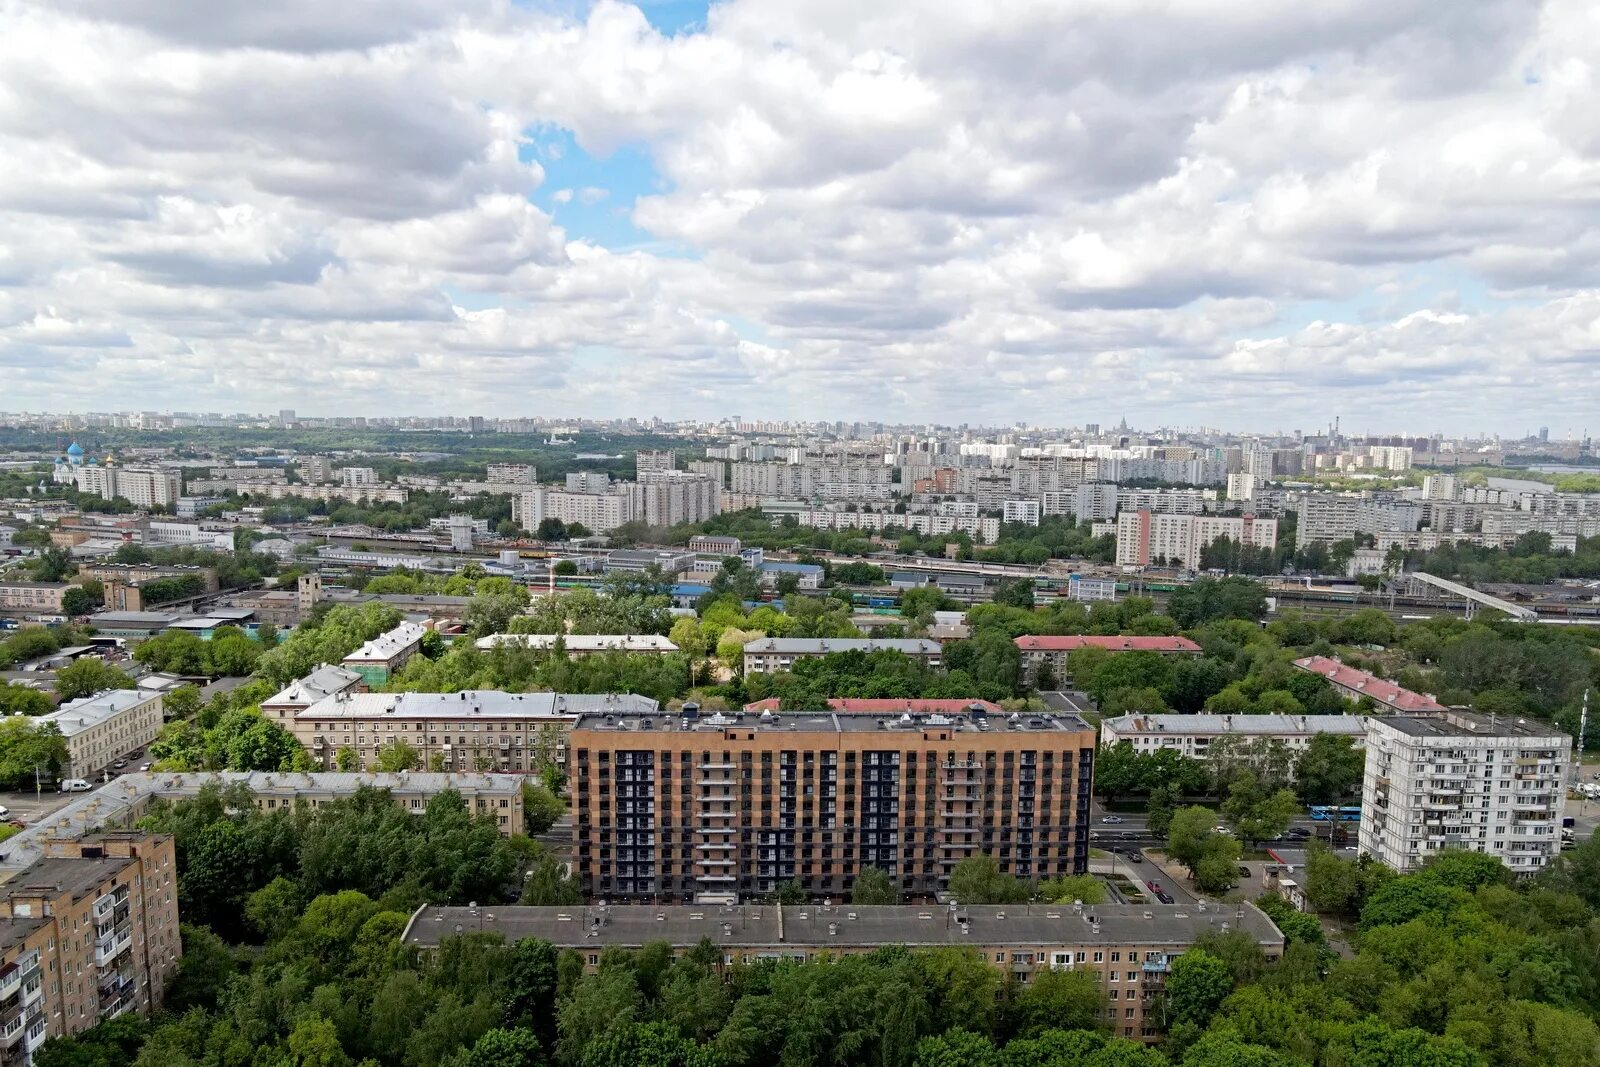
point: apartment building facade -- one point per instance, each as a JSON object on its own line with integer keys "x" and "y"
{"x": 723, "y": 807}
{"x": 1191, "y": 735}
{"x": 577, "y": 646}
{"x": 766, "y": 654}
{"x": 1128, "y": 948}
{"x": 472, "y": 730}
{"x": 1463, "y": 781}
{"x": 43, "y": 598}
{"x": 100, "y": 729}
{"x": 1145, "y": 537}
{"x": 87, "y": 934}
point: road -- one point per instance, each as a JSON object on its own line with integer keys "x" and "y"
{"x": 29, "y": 809}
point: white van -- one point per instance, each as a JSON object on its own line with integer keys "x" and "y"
{"x": 75, "y": 785}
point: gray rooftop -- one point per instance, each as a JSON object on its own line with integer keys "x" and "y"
{"x": 326, "y": 679}
{"x": 477, "y": 704}
{"x": 801, "y": 927}
{"x": 386, "y": 646}
{"x": 1470, "y": 724}
{"x": 59, "y": 874}
{"x": 14, "y": 932}
{"x": 1273, "y": 725}
{"x": 832, "y": 722}
{"x": 86, "y": 713}
{"x": 133, "y": 618}
{"x": 583, "y": 642}
{"x": 911, "y": 646}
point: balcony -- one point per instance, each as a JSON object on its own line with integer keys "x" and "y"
{"x": 35, "y": 1037}
{"x": 107, "y": 949}
{"x": 10, "y": 980}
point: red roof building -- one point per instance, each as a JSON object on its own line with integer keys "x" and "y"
{"x": 1041, "y": 649}
{"x": 1353, "y": 685}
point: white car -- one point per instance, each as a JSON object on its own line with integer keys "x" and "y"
{"x": 1111, "y": 819}
{"x": 5, "y": 812}
{"x": 1221, "y": 830}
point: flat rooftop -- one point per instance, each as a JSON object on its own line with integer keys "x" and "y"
{"x": 759, "y": 926}
{"x": 911, "y": 646}
{"x": 830, "y": 722}
{"x": 1249, "y": 725}
{"x": 57, "y": 875}
{"x": 476, "y": 704}
{"x": 14, "y": 932}
{"x": 583, "y": 642}
{"x": 1469, "y": 724}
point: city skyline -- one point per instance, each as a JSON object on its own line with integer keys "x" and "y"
{"x": 954, "y": 216}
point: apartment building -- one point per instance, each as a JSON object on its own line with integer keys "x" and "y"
{"x": 126, "y": 799}
{"x": 42, "y": 598}
{"x": 598, "y": 512}
{"x": 1353, "y": 684}
{"x": 1145, "y": 537}
{"x": 654, "y": 459}
{"x": 1325, "y": 517}
{"x": 315, "y": 469}
{"x": 1040, "y": 649}
{"x": 1191, "y": 735}
{"x": 352, "y": 477}
{"x": 766, "y": 654}
{"x": 576, "y": 646}
{"x": 378, "y": 659}
{"x": 715, "y": 545}
{"x": 87, "y": 934}
{"x": 512, "y": 474}
{"x": 714, "y": 808}
{"x": 472, "y": 730}
{"x": 145, "y": 487}
{"x": 1128, "y": 948}
{"x": 666, "y": 497}
{"x": 1463, "y": 781}
{"x": 101, "y": 729}
{"x": 300, "y": 694}
{"x": 1023, "y": 511}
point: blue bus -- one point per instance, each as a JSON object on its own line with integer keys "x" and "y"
{"x": 1328, "y": 813}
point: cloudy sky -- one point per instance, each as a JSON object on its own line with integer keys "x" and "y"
{"x": 1189, "y": 212}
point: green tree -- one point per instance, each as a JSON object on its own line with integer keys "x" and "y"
{"x": 1256, "y": 813}
{"x": 540, "y": 808}
{"x": 78, "y": 601}
{"x": 1197, "y": 984}
{"x": 86, "y": 676}
{"x": 955, "y": 1048}
{"x": 873, "y": 886}
{"x": 547, "y": 885}
{"x": 1069, "y": 888}
{"x": 979, "y": 880}
{"x": 346, "y": 759}
{"x": 1329, "y": 769}
{"x": 1188, "y": 835}
{"x": 397, "y": 755}
{"x": 18, "y": 699}
{"x": 1064, "y": 1000}
{"x": 27, "y": 748}
{"x": 504, "y": 1048}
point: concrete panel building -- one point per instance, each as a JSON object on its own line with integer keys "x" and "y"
{"x": 1191, "y": 735}
{"x": 576, "y": 646}
{"x": 1463, "y": 781}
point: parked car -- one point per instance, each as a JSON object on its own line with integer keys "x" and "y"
{"x": 119, "y": 764}
{"x": 1244, "y": 872}
{"x": 1153, "y": 885}
{"x": 1221, "y": 830}
{"x": 1111, "y": 819}
{"x": 4, "y": 811}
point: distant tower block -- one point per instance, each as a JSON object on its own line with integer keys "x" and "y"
{"x": 308, "y": 593}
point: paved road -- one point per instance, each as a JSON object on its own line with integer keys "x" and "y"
{"x": 28, "y": 808}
